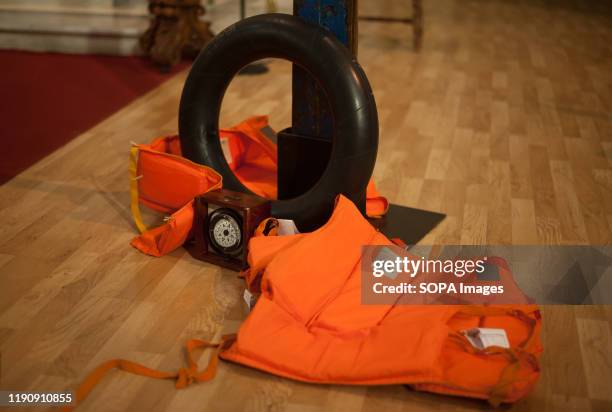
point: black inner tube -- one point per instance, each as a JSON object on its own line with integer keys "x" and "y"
{"x": 352, "y": 104}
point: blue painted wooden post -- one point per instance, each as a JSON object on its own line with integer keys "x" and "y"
{"x": 311, "y": 114}
{"x": 304, "y": 149}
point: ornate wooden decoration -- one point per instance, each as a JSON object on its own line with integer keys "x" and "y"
{"x": 175, "y": 31}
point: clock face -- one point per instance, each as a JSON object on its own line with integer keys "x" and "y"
{"x": 225, "y": 231}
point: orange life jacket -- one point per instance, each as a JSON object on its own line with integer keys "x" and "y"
{"x": 163, "y": 180}
{"x": 309, "y": 323}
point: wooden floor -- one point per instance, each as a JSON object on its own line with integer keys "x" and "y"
{"x": 503, "y": 122}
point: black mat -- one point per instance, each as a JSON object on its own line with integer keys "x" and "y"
{"x": 406, "y": 223}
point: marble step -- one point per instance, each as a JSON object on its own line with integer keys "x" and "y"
{"x": 96, "y": 30}
{"x": 114, "y": 7}
{"x": 98, "y": 26}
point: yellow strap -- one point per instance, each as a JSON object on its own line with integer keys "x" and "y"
{"x": 134, "y": 202}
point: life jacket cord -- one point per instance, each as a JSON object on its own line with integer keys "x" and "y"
{"x": 183, "y": 377}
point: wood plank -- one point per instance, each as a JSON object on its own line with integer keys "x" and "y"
{"x": 596, "y": 347}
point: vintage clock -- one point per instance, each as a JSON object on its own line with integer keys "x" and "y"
{"x": 224, "y": 222}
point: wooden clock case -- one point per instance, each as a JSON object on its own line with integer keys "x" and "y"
{"x": 251, "y": 209}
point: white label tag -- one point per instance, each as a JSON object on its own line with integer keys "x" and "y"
{"x": 247, "y": 297}
{"x": 287, "y": 227}
{"x": 225, "y": 146}
{"x": 250, "y": 299}
{"x": 482, "y": 338}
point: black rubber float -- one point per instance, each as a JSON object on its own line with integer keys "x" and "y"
{"x": 355, "y": 139}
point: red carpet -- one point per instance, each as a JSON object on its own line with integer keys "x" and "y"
{"x": 49, "y": 99}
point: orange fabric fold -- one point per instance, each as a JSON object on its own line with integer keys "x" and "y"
{"x": 165, "y": 238}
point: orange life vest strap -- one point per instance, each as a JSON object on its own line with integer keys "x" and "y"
{"x": 516, "y": 356}
{"x": 183, "y": 377}
{"x": 267, "y": 227}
